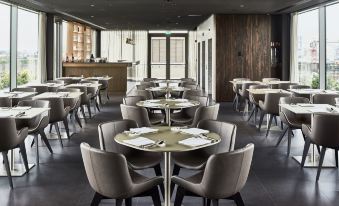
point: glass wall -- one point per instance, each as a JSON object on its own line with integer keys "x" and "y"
{"x": 332, "y": 47}
{"x": 308, "y": 48}
{"x": 4, "y": 46}
{"x": 27, "y": 55}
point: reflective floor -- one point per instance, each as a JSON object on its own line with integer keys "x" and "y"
{"x": 274, "y": 179}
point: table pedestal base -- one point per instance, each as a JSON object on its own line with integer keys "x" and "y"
{"x": 17, "y": 171}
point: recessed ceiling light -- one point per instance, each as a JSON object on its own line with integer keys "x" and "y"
{"x": 194, "y": 15}
{"x": 179, "y": 16}
{"x": 92, "y": 16}
{"x": 242, "y": 6}
{"x": 177, "y": 23}
{"x": 92, "y": 5}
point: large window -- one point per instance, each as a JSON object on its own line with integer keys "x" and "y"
{"x": 4, "y": 46}
{"x": 27, "y": 55}
{"x": 307, "y": 71}
{"x": 332, "y": 47}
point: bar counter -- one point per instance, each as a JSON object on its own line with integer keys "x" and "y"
{"x": 118, "y": 72}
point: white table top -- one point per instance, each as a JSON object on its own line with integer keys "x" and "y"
{"x": 75, "y": 78}
{"x": 17, "y": 94}
{"x": 64, "y": 95}
{"x": 309, "y": 108}
{"x": 264, "y": 91}
{"x": 53, "y": 85}
{"x": 100, "y": 78}
{"x": 313, "y": 91}
{"x": 84, "y": 85}
{"x": 243, "y": 82}
{"x": 168, "y": 103}
{"x": 29, "y": 113}
{"x": 163, "y": 89}
{"x": 276, "y": 82}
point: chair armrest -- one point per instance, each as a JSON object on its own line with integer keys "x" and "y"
{"x": 22, "y": 134}
{"x": 67, "y": 109}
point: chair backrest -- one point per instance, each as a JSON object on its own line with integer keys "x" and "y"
{"x": 56, "y": 81}
{"x": 36, "y": 121}
{"x": 220, "y": 180}
{"x": 285, "y": 85}
{"x": 325, "y": 129}
{"x": 34, "y": 103}
{"x": 146, "y": 94}
{"x": 192, "y": 92}
{"x": 68, "y": 89}
{"x": 243, "y": 92}
{"x": 24, "y": 89}
{"x": 84, "y": 96}
{"x": 149, "y": 79}
{"x": 5, "y": 102}
{"x": 107, "y": 172}
{"x": 57, "y": 112}
{"x": 9, "y": 135}
{"x": 203, "y": 100}
{"x": 265, "y": 80}
{"x": 148, "y": 84}
{"x": 287, "y": 116}
{"x": 40, "y": 88}
{"x": 227, "y": 132}
{"x": 70, "y": 80}
{"x": 324, "y": 98}
{"x": 255, "y": 98}
{"x": 141, "y": 87}
{"x": 271, "y": 103}
{"x": 108, "y": 130}
{"x": 298, "y": 86}
{"x": 73, "y": 103}
{"x": 208, "y": 112}
{"x": 133, "y": 100}
{"x": 138, "y": 114}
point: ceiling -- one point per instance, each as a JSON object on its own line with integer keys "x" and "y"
{"x": 160, "y": 14}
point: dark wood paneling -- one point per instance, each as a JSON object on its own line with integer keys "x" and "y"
{"x": 242, "y": 50}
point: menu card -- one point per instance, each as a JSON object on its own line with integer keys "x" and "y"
{"x": 194, "y": 131}
{"x": 143, "y": 130}
{"x": 139, "y": 141}
{"x": 194, "y": 142}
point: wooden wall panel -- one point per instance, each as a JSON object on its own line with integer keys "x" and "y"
{"x": 242, "y": 50}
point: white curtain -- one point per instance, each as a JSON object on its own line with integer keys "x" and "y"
{"x": 294, "y": 48}
{"x": 42, "y": 47}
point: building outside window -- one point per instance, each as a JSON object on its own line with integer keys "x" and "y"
{"x": 4, "y": 47}
{"x": 28, "y": 44}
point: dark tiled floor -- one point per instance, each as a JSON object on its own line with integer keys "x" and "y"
{"x": 274, "y": 179}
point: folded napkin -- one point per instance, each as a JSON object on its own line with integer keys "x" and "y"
{"x": 194, "y": 131}
{"x": 194, "y": 142}
{"x": 184, "y": 104}
{"x": 139, "y": 141}
{"x": 143, "y": 130}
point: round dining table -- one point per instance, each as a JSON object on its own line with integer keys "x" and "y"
{"x": 167, "y": 90}
{"x": 171, "y": 136}
{"x": 167, "y": 105}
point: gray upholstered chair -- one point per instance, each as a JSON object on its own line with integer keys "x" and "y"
{"x": 40, "y": 88}
{"x": 110, "y": 177}
{"x": 207, "y": 112}
{"x": 138, "y": 114}
{"x": 291, "y": 120}
{"x": 324, "y": 132}
{"x": 186, "y": 115}
{"x": 244, "y": 94}
{"x": 196, "y": 160}
{"x": 93, "y": 91}
{"x": 24, "y": 89}
{"x": 190, "y": 85}
{"x": 265, "y": 80}
{"x": 145, "y": 93}
{"x": 270, "y": 106}
{"x": 74, "y": 104}
{"x": 133, "y": 100}
{"x": 141, "y": 87}
{"x": 224, "y": 177}
{"x": 299, "y": 86}
{"x": 58, "y": 81}
{"x": 137, "y": 159}
{"x": 37, "y": 125}
{"x": 58, "y": 113}
{"x": 84, "y": 100}
{"x": 11, "y": 139}
{"x": 324, "y": 98}
{"x": 193, "y": 92}
{"x": 254, "y": 100}
{"x": 103, "y": 89}
{"x": 286, "y": 85}
{"x": 236, "y": 88}
{"x": 68, "y": 80}
{"x": 149, "y": 79}
{"x": 5, "y": 102}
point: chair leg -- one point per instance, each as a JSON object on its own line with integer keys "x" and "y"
{"x": 36, "y": 137}
{"x": 128, "y": 202}
{"x": 289, "y": 136}
{"x": 321, "y": 160}
{"x": 251, "y": 114}
{"x": 96, "y": 199}
{"x": 44, "y": 138}
{"x": 208, "y": 202}
{"x": 65, "y": 121}
{"x": 8, "y": 170}
{"x": 262, "y": 114}
{"x": 97, "y": 105}
{"x": 238, "y": 200}
{"x": 58, "y": 133}
{"x": 107, "y": 95}
{"x": 77, "y": 118}
{"x": 50, "y": 128}
{"x": 118, "y": 202}
{"x": 156, "y": 197}
{"x": 255, "y": 115}
{"x": 179, "y": 196}
{"x": 83, "y": 112}
{"x": 281, "y": 136}
{"x": 336, "y": 157}
{"x": 24, "y": 155}
{"x": 100, "y": 99}
{"x": 269, "y": 125}
{"x": 158, "y": 172}
{"x": 89, "y": 110}
{"x": 215, "y": 202}
{"x": 275, "y": 119}
{"x": 306, "y": 148}
{"x": 176, "y": 170}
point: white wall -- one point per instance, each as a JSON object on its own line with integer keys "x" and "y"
{"x": 205, "y": 31}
